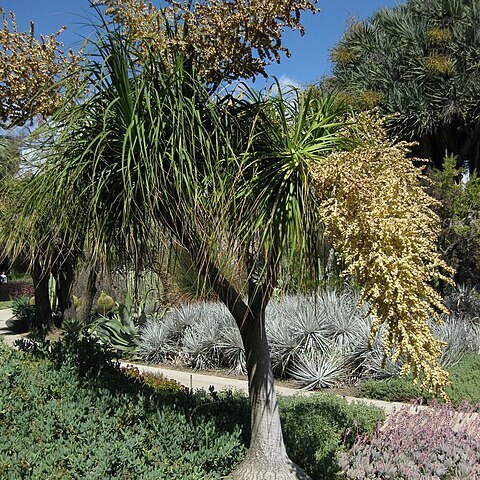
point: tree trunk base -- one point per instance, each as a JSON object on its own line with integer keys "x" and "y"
{"x": 261, "y": 468}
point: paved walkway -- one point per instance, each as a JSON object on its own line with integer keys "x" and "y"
{"x": 197, "y": 380}
{"x": 9, "y": 337}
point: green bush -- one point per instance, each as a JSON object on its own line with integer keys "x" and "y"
{"x": 57, "y": 425}
{"x": 67, "y": 412}
{"x": 465, "y": 376}
{"x": 398, "y": 389}
{"x": 318, "y": 428}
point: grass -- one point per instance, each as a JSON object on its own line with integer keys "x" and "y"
{"x": 465, "y": 387}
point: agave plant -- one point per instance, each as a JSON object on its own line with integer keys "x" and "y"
{"x": 282, "y": 343}
{"x": 118, "y": 330}
{"x": 318, "y": 371}
{"x": 345, "y": 319}
{"x": 157, "y": 341}
{"x": 464, "y": 300}
{"x": 182, "y": 318}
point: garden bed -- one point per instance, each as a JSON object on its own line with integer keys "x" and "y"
{"x": 67, "y": 414}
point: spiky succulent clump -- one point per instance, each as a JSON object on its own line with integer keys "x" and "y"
{"x": 320, "y": 340}
{"x": 157, "y": 341}
{"x": 319, "y": 371}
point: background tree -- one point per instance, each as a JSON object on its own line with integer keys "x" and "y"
{"x": 29, "y": 70}
{"x": 418, "y": 62}
{"x": 459, "y": 210}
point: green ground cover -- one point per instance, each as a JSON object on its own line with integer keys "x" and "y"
{"x": 66, "y": 413}
{"x": 465, "y": 376}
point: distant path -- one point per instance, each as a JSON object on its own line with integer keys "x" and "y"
{"x": 197, "y": 380}
{"x": 9, "y": 337}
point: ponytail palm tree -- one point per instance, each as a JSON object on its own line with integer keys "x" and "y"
{"x": 151, "y": 154}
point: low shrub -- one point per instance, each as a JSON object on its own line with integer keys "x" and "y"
{"x": 438, "y": 443}
{"x": 317, "y": 428}
{"x": 57, "y": 425}
{"x": 157, "y": 382}
{"x": 11, "y": 290}
{"x": 398, "y": 389}
{"x": 465, "y": 376}
{"x": 67, "y": 412}
{"x": 78, "y": 352}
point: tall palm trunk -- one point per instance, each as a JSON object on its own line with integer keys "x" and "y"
{"x": 64, "y": 277}
{"x": 88, "y": 296}
{"x": 267, "y": 457}
{"x": 43, "y": 309}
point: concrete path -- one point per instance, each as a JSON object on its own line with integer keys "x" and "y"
{"x": 197, "y": 380}
{"x": 9, "y": 337}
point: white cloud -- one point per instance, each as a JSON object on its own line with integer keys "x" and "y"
{"x": 286, "y": 82}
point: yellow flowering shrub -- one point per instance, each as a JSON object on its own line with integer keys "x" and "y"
{"x": 379, "y": 219}
{"x": 28, "y": 70}
{"x": 229, "y": 39}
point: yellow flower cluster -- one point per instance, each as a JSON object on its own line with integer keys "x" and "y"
{"x": 380, "y": 221}
{"x": 228, "y": 39}
{"x": 28, "y": 69}
{"x": 439, "y": 35}
{"x": 439, "y": 64}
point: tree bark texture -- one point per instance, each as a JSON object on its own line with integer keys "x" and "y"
{"x": 267, "y": 458}
{"x": 43, "y": 309}
{"x": 64, "y": 277}
{"x": 85, "y": 306}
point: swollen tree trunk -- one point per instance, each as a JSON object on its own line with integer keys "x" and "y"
{"x": 43, "y": 310}
{"x": 64, "y": 277}
{"x": 85, "y": 307}
{"x": 267, "y": 458}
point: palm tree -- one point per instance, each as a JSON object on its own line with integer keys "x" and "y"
{"x": 151, "y": 154}
{"x": 9, "y": 156}
{"x": 418, "y": 62}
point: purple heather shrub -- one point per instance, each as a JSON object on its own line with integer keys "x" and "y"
{"x": 436, "y": 443}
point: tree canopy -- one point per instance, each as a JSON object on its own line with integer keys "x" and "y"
{"x": 243, "y": 184}
{"x": 419, "y": 62}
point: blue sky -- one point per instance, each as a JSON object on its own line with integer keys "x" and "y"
{"x": 310, "y": 54}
